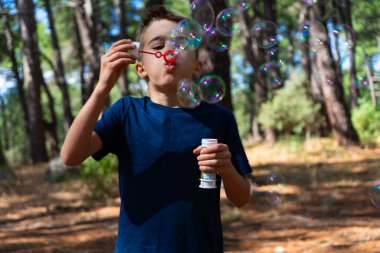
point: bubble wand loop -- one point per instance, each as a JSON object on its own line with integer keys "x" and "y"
{"x": 169, "y": 55}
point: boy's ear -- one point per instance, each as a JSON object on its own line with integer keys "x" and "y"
{"x": 141, "y": 70}
{"x": 198, "y": 70}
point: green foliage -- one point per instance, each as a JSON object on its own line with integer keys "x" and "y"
{"x": 243, "y": 100}
{"x": 292, "y": 109}
{"x": 13, "y": 131}
{"x": 99, "y": 176}
{"x": 366, "y": 121}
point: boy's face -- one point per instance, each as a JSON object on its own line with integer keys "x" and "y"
{"x": 156, "y": 71}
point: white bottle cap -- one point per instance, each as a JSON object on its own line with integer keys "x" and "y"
{"x": 209, "y": 142}
{"x": 135, "y": 51}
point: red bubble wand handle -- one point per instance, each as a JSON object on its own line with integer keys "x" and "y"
{"x": 169, "y": 55}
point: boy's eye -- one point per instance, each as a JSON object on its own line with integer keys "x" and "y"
{"x": 158, "y": 47}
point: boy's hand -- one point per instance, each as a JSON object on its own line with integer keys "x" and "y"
{"x": 114, "y": 62}
{"x": 216, "y": 159}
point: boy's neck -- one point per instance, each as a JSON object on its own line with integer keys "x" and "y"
{"x": 169, "y": 100}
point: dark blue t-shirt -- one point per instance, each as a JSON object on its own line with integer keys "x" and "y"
{"x": 162, "y": 207}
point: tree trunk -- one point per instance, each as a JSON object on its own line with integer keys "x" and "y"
{"x": 309, "y": 65}
{"x": 256, "y": 57}
{"x": 332, "y": 90}
{"x": 150, "y": 3}
{"x": 51, "y": 127}
{"x": 255, "y": 61}
{"x": 270, "y": 14}
{"x": 33, "y": 79}
{"x": 3, "y": 161}
{"x": 79, "y": 55}
{"x": 120, "y": 10}
{"x": 59, "y": 68}
{"x": 4, "y": 126}
{"x": 15, "y": 70}
{"x": 354, "y": 90}
{"x": 87, "y": 31}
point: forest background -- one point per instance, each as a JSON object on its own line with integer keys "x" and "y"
{"x": 310, "y": 76}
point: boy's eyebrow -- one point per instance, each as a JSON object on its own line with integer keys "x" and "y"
{"x": 159, "y": 37}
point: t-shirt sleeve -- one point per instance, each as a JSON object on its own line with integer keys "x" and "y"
{"x": 239, "y": 158}
{"x": 109, "y": 129}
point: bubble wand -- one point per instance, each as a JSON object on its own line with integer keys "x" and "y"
{"x": 169, "y": 55}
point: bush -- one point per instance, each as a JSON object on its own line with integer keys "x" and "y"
{"x": 291, "y": 111}
{"x": 366, "y": 121}
{"x": 99, "y": 176}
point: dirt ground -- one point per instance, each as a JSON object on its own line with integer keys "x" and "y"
{"x": 323, "y": 206}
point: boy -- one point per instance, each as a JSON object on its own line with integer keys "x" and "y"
{"x": 162, "y": 207}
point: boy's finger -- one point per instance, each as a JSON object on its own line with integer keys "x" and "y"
{"x": 197, "y": 151}
{"x": 119, "y": 55}
{"x": 120, "y": 42}
{"x": 120, "y": 48}
{"x": 123, "y": 47}
{"x": 220, "y": 147}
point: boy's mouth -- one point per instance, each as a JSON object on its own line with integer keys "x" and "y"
{"x": 169, "y": 66}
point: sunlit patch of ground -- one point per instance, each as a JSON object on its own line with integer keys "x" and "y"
{"x": 322, "y": 206}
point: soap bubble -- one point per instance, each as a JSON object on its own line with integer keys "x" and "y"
{"x": 270, "y": 74}
{"x": 203, "y": 13}
{"x": 187, "y": 35}
{"x": 328, "y": 75}
{"x": 312, "y": 34}
{"x": 309, "y": 2}
{"x": 188, "y": 93}
{"x": 345, "y": 35}
{"x": 227, "y": 22}
{"x": 213, "y": 88}
{"x": 217, "y": 41}
{"x": 265, "y": 34}
{"x": 275, "y": 179}
{"x": 375, "y": 194}
{"x": 241, "y": 5}
{"x": 273, "y": 197}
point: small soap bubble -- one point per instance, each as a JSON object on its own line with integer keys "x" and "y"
{"x": 309, "y": 2}
{"x": 265, "y": 34}
{"x": 328, "y": 75}
{"x": 188, "y": 93}
{"x": 203, "y": 13}
{"x": 362, "y": 81}
{"x": 275, "y": 179}
{"x": 270, "y": 74}
{"x": 345, "y": 35}
{"x": 227, "y": 22}
{"x": 217, "y": 41}
{"x": 212, "y": 88}
{"x": 272, "y": 52}
{"x": 187, "y": 35}
{"x": 241, "y": 5}
{"x": 273, "y": 197}
{"x": 312, "y": 34}
{"x": 375, "y": 194}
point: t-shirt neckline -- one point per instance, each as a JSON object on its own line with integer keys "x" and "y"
{"x": 150, "y": 103}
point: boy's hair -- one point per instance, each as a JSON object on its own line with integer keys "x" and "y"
{"x": 155, "y": 13}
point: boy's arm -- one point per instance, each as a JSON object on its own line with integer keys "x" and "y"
{"x": 81, "y": 141}
{"x": 217, "y": 159}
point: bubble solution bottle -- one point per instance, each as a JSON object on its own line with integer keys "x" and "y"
{"x": 208, "y": 180}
